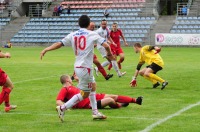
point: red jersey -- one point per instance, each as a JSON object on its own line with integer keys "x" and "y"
{"x": 116, "y": 37}
{"x": 3, "y": 77}
{"x": 66, "y": 93}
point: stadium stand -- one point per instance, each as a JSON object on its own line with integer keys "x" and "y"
{"x": 51, "y": 29}
{"x": 4, "y": 22}
{"x": 189, "y": 23}
{"x": 186, "y": 25}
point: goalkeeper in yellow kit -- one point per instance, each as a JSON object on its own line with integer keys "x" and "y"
{"x": 149, "y": 54}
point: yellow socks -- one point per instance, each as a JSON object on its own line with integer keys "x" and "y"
{"x": 155, "y": 77}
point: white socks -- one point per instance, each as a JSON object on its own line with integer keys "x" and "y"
{"x": 93, "y": 102}
{"x": 105, "y": 63}
{"x": 115, "y": 66}
{"x": 73, "y": 101}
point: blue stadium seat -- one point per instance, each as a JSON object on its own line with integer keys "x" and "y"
{"x": 194, "y": 31}
{"x": 172, "y": 31}
{"x": 188, "y": 31}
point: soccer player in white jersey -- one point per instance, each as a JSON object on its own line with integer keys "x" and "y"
{"x": 82, "y": 42}
{"x": 104, "y": 32}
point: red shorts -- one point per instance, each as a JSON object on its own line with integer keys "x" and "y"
{"x": 85, "y": 104}
{"x": 3, "y": 77}
{"x": 100, "y": 96}
{"x": 119, "y": 51}
{"x": 113, "y": 49}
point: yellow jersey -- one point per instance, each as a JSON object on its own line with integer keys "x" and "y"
{"x": 149, "y": 56}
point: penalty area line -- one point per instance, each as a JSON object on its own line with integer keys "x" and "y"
{"x": 150, "y": 127}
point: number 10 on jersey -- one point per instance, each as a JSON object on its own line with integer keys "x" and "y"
{"x": 80, "y": 43}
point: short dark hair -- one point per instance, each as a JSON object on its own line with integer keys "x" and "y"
{"x": 103, "y": 20}
{"x": 137, "y": 45}
{"x": 63, "y": 79}
{"x": 84, "y": 21}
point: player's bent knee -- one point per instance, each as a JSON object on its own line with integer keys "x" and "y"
{"x": 84, "y": 94}
{"x": 141, "y": 73}
{"x": 146, "y": 74}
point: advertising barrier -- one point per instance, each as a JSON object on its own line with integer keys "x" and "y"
{"x": 177, "y": 39}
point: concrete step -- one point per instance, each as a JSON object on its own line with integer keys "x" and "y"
{"x": 12, "y": 28}
{"x": 163, "y": 25}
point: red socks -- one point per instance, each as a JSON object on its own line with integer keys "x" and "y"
{"x": 4, "y": 96}
{"x": 110, "y": 66}
{"x": 7, "y": 101}
{"x": 125, "y": 99}
{"x": 120, "y": 60}
{"x": 101, "y": 69}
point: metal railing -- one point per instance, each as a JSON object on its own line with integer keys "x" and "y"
{"x": 189, "y": 3}
{"x": 182, "y": 9}
{"x": 35, "y": 10}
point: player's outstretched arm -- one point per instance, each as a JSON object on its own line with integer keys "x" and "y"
{"x": 123, "y": 38}
{"x": 52, "y": 47}
{"x": 5, "y": 55}
{"x": 111, "y": 41}
{"x": 107, "y": 48}
{"x": 156, "y": 48}
{"x": 133, "y": 82}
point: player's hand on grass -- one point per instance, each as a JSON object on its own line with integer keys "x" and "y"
{"x": 133, "y": 83}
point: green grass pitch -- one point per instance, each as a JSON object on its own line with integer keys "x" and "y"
{"x": 37, "y": 84}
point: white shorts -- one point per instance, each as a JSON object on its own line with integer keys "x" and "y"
{"x": 102, "y": 50}
{"x": 86, "y": 78}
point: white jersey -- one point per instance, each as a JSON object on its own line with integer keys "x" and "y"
{"x": 105, "y": 33}
{"x": 82, "y": 42}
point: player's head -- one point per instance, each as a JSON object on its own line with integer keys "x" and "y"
{"x": 104, "y": 23}
{"x": 114, "y": 26}
{"x": 91, "y": 26}
{"x": 65, "y": 78}
{"x": 137, "y": 47}
{"x": 84, "y": 21}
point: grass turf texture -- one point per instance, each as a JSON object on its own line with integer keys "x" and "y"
{"x": 37, "y": 84}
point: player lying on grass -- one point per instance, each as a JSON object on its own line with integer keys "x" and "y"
{"x": 7, "y": 86}
{"x": 103, "y": 100}
{"x": 149, "y": 54}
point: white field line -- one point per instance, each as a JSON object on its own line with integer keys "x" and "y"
{"x": 150, "y": 127}
{"x": 68, "y": 115}
{"x": 35, "y": 79}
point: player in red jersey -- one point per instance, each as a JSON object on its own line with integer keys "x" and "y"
{"x": 103, "y": 100}
{"x": 95, "y": 59}
{"x": 115, "y": 34}
{"x": 7, "y": 86}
